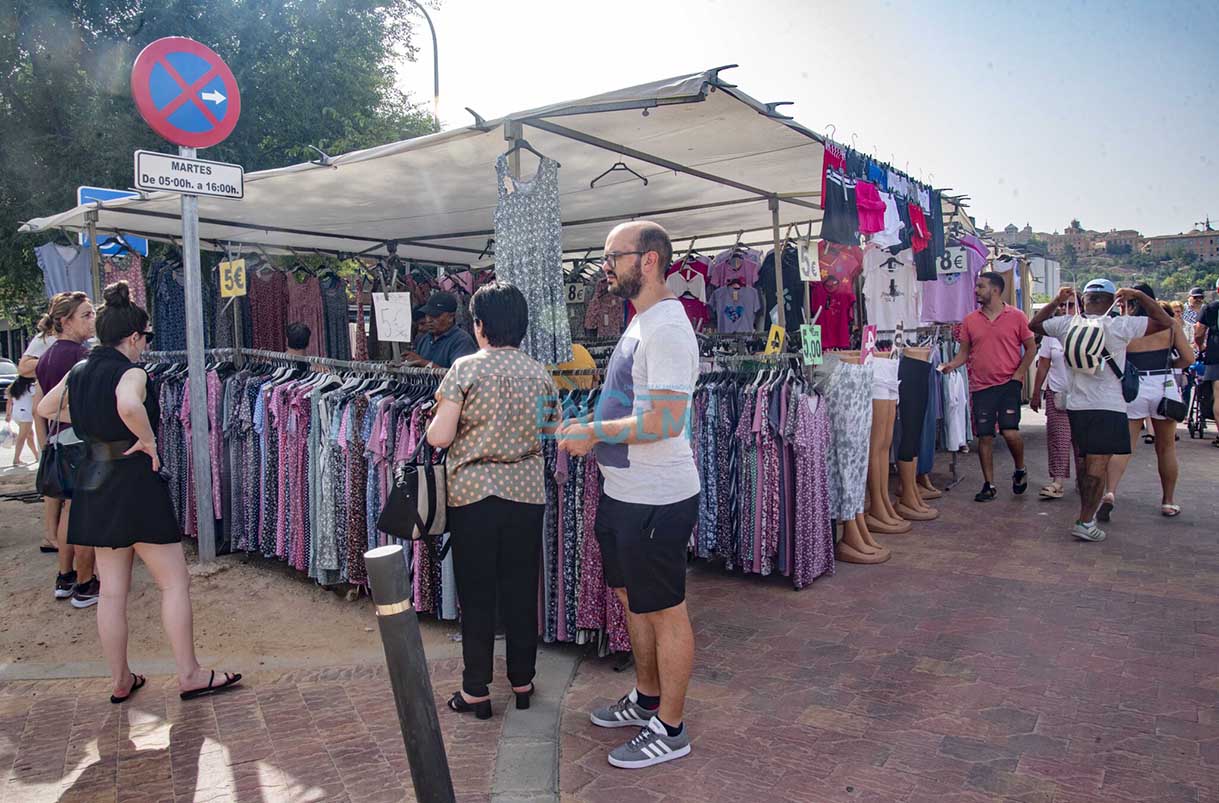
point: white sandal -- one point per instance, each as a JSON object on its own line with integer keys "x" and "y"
{"x": 1053, "y": 491}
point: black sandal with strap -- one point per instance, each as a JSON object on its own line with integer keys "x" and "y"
{"x": 137, "y": 683}
{"x": 231, "y": 679}
{"x": 481, "y": 710}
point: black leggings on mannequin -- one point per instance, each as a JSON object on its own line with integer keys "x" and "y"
{"x": 915, "y": 379}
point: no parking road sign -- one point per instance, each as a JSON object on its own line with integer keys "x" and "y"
{"x": 185, "y": 92}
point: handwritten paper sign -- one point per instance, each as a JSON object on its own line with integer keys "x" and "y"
{"x": 393, "y": 315}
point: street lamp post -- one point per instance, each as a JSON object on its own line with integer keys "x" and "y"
{"x": 435, "y": 63}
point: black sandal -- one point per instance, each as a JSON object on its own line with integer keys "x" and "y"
{"x": 481, "y": 710}
{"x": 230, "y": 680}
{"x": 1020, "y": 481}
{"x": 47, "y": 549}
{"x": 987, "y": 493}
{"x": 137, "y": 683}
{"x": 522, "y": 698}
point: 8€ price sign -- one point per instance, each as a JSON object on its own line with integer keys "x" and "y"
{"x": 810, "y": 341}
{"x": 232, "y": 278}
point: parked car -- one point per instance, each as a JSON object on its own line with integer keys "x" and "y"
{"x": 8, "y": 375}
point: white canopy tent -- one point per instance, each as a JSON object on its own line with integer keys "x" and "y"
{"x": 717, "y": 161}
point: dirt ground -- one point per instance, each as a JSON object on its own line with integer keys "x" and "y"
{"x": 249, "y": 612}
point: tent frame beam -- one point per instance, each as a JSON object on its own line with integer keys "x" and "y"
{"x": 597, "y": 142}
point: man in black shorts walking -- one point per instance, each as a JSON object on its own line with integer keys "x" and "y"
{"x": 1095, "y": 405}
{"x": 650, "y": 501}
{"x": 999, "y": 347}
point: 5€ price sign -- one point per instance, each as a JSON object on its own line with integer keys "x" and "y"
{"x": 232, "y": 278}
{"x": 775, "y": 340}
{"x": 810, "y": 340}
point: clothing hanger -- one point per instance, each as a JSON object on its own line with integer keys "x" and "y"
{"x": 616, "y": 167}
{"x": 523, "y": 144}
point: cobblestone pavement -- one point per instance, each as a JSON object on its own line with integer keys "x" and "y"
{"x": 323, "y": 735}
{"x": 993, "y": 658}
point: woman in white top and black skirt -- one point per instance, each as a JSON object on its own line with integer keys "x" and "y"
{"x": 120, "y": 503}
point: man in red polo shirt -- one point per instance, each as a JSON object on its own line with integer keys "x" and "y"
{"x": 999, "y": 347}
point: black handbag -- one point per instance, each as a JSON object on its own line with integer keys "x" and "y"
{"x": 1129, "y": 378}
{"x": 417, "y": 504}
{"x": 59, "y": 463}
{"x": 1172, "y": 408}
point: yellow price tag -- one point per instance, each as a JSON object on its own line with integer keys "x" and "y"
{"x": 232, "y": 278}
{"x": 775, "y": 340}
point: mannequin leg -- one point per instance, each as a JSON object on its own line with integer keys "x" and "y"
{"x": 852, "y": 549}
{"x": 926, "y": 489}
{"x": 910, "y": 505}
{"x": 879, "y": 515}
{"x": 865, "y": 532}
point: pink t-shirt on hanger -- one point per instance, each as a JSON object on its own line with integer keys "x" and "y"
{"x": 950, "y": 297}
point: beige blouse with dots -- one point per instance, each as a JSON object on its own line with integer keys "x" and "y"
{"x": 506, "y": 399}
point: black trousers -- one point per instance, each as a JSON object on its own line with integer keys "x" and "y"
{"x": 496, "y": 552}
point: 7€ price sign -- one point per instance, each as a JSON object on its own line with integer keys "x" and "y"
{"x": 810, "y": 341}
{"x": 232, "y": 278}
{"x": 775, "y": 340}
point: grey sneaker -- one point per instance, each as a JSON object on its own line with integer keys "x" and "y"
{"x": 1087, "y": 531}
{"x": 653, "y": 745}
{"x": 625, "y": 713}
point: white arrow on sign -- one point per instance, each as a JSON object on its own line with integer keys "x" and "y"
{"x": 214, "y": 96}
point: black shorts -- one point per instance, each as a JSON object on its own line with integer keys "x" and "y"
{"x": 999, "y": 404}
{"x": 643, "y": 549}
{"x": 1100, "y": 432}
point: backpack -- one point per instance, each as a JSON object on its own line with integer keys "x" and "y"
{"x": 1084, "y": 351}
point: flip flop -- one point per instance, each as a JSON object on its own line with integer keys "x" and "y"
{"x": 1170, "y": 511}
{"x": 1106, "y": 507}
{"x": 137, "y": 683}
{"x": 1052, "y": 491}
{"x": 230, "y": 680}
{"x": 47, "y": 549}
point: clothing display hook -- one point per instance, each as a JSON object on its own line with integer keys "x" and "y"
{"x": 617, "y": 167}
{"x": 324, "y": 159}
{"x": 853, "y": 141}
{"x": 488, "y": 249}
{"x": 833, "y": 128}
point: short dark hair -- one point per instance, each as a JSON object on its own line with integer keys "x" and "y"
{"x": 503, "y": 312}
{"x": 118, "y": 319}
{"x": 654, "y": 238}
{"x": 298, "y": 335}
{"x": 997, "y": 281}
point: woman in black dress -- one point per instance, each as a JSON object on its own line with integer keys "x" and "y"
{"x": 120, "y": 504}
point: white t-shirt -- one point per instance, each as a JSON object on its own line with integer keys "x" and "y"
{"x": 891, "y": 289}
{"x": 1051, "y": 349}
{"x": 1100, "y": 391}
{"x": 39, "y": 345}
{"x": 657, "y": 352}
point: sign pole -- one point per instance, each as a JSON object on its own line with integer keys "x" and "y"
{"x": 196, "y": 374}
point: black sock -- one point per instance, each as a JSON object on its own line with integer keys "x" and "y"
{"x": 672, "y": 730}
{"x": 647, "y": 701}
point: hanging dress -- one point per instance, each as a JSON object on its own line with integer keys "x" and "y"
{"x": 529, "y": 254}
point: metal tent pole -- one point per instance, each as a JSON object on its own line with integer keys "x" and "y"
{"x": 196, "y": 375}
{"x": 774, "y": 218}
{"x": 95, "y": 268}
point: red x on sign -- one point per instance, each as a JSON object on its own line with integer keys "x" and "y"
{"x": 185, "y": 92}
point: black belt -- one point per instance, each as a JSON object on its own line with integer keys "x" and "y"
{"x": 1157, "y": 372}
{"x": 109, "y": 451}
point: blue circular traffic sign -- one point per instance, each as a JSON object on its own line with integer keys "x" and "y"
{"x": 185, "y": 92}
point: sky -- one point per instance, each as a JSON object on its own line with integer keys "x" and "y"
{"x": 1039, "y": 111}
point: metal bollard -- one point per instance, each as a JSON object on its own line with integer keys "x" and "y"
{"x": 408, "y": 674}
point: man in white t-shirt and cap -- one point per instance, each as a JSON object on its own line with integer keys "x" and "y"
{"x": 1095, "y": 403}
{"x": 650, "y": 502}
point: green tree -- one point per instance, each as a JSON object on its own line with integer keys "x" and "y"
{"x": 311, "y": 72}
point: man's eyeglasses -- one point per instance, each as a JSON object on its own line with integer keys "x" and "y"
{"x": 147, "y": 333}
{"x": 611, "y": 258}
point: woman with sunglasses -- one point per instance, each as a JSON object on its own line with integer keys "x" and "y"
{"x": 120, "y": 504}
{"x": 1051, "y": 365}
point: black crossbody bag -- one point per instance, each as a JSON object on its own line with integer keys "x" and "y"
{"x": 60, "y": 462}
{"x": 417, "y": 504}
